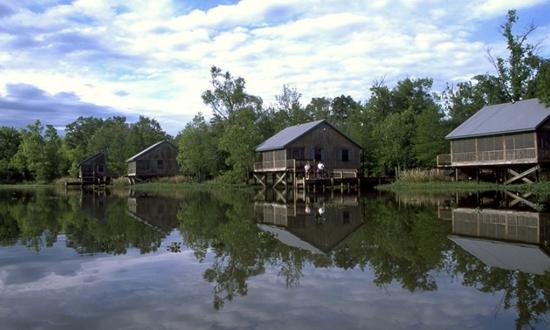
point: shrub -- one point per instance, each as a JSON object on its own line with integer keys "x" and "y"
{"x": 421, "y": 175}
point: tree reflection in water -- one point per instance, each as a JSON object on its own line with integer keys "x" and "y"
{"x": 399, "y": 240}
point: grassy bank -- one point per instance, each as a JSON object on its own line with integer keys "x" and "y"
{"x": 26, "y": 186}
{"x": 204, "y": 186}
{"x": 148, "y": 186}
{"x": 464, "y": 186}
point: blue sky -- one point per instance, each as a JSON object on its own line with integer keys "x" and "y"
{"x": 62, "y": 59}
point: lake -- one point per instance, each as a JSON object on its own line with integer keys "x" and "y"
{"x": 272, "y": 260}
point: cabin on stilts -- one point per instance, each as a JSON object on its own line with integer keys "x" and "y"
{"x": 510, "y": 141}
{"x": 93, "y": 170}
{"x": 283, "y": 156}
{"x": 158, "y": 160}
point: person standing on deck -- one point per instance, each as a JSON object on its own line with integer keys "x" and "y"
{"x": 307, "y": 168}
{"x": 321, "y": 169}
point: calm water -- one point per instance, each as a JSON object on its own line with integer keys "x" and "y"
{"x": 234, "y": 260}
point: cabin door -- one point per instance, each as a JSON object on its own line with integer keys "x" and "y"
{"x": 318, "y": 154}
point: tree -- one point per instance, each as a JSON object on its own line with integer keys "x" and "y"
{"x": 462, "y": 101}
{"x": 319, "y": 108}
{"x": 145, "y": 132}
{"x": 112, "y": 137}
{"x": 9, "y": 144}
{"x": 429, "y": 137}
{"x": 39, "y": 153}
{"x": 228, "y": 95}
{"x": 239, "y": 140}
{"x": 197, "y": 150}
{"x": 76, "y": 143}
{"x": 541, "y": 85}
{"x": 517, "y": 71}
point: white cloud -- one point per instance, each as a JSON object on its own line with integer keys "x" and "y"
{"x": 160, "y": 57}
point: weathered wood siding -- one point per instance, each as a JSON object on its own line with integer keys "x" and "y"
{"x": 519, "y": 148}
{"x": 330, "y": 145}
{"x": 159, "y": 161}
{"x": 93, "y": 167}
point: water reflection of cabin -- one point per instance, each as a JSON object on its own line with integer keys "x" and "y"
{"x": 157, "y": 212}
{"x": 301, "y": 225}
{"x": 158, "y": 160}
{"x": 509, "y": 138}
{"x": 286, "y": 152}
{"x": 93, "y": 169}
{"x": 93, "y": 205}
{"x": 507, "y": 239}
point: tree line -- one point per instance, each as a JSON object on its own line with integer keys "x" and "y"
{"x": 402, "y": 126}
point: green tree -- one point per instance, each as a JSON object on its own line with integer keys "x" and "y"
{"x": 76, "y": 143}
{"x": 542, "y": 83}
{"x": 516, "y": 72}
{"x": 429, "y": 137}
{"x": 228, "y": 95}
{"x": 197, "y": 150}
{"x": 239, "y": 140}
{"x": 319, "y": 108}
{"x": 145, "y": 132}
{"x": 39, "y": 153}
{"x": 112, "y": 137}
{"x": 9, "y": 144}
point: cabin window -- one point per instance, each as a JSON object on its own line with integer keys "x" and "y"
{"x": 160, "y": 164}
{"x": 297, "y": 153}
{"x": 100, "y": 168}
{"x": 344, "y": 155}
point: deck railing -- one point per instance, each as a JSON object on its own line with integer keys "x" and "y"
{"x": 280, "y": 165}
{"x": 494, "y": 156}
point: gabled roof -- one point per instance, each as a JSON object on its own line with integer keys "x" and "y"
{"x": 521, "y": 116}
{"x": 291, "y": 133}
{"x": 505, "y": 255}
{"x": 91, "y": 157}
{"x": 146, "y": 150}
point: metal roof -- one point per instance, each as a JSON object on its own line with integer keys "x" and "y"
{"x": 291, "y": 133}
{"x": 521, "y": 116}
{"x": 144, "y": 151}
{"x": 91, "y": 157}
{"x": 506, "y": 255}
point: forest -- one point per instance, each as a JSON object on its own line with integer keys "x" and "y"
{"x": 399, "y": 125}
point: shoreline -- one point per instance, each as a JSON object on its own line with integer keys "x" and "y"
{"x": 148, "y": 186}
{"x": 464, "y": 186}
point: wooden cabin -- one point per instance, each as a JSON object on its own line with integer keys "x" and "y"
{"x": 510, "y": 137}
{"x": 93, "y": 170}
{"x": 155, "y": 161}
{"x": 288, "y": 151}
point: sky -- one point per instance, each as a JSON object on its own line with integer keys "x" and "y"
{"x": 64, "y": 59}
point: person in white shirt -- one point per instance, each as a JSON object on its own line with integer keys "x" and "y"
{"x": 321, "y": 169}
{"x": 307, "y": 168}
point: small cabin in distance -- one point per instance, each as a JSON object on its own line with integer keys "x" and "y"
{"x": 157, "y": 160}
{"x": 290, "y": 149}
{"x": 93, "y": 170}
{"x": 508, "y": 138}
